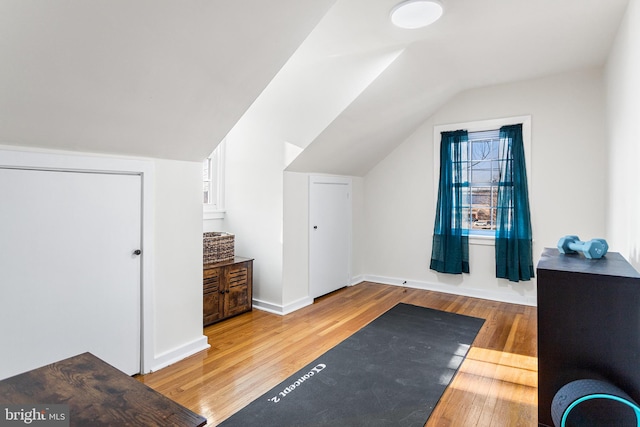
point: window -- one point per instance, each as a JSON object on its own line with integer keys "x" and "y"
{"x": 470, "y": 174}
{"x": 213, "y": 179}
{"x": 482, "y": 163}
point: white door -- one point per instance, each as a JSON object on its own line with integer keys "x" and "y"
{"x": 69, "y": 278}
{"x": 329, "y": 234}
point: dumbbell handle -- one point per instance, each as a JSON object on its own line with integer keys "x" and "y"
{"x": 592, "y": 249}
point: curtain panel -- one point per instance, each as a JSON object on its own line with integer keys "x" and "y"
{"x": 513, "y": 244}
{"x": 450, "y": 250}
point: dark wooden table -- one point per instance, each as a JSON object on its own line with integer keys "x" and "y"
{"x": 97, "y": 394}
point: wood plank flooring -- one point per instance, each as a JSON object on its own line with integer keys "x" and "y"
{"x": 495, "y": 386}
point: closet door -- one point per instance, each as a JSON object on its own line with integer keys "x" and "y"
{"x": 69, "y": 272}
{"x": 330, "y": 234}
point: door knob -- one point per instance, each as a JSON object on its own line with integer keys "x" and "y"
{"x": 315, "y": 227}
{"x": 137, "y": 252}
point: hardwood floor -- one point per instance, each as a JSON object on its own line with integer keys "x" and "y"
{"x": 251, "y": 353}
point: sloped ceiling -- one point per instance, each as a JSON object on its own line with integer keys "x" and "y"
{"x": 476, "y": 43}
{"x": 170, "y": 78}
{"x": 157, "y": 78}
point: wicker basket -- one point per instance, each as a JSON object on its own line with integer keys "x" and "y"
{"x": 217, "y": 246}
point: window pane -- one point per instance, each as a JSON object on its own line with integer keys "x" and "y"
{"x": 495, "y": 171}
{"x": 213, "y": 177}
{"x": 482, "y": 217}
{"x": 207, "y": 192}
{"x": 466, "y": 218}
{"x": 481, "y": 208}
{"x": 481, "y": 172}
{"x": 484, "y": 171}
{"x": 464, "y": 151}
{"x": 484, "y": 149}
{"x": 466, "y": 196}
{"x": 462, "y": 167}
{"x": 495, "y": 149}
{"x": 205, "y": 170}
{"x": 481, "y": 195}
{"x": 483, "y": 168}
{"x": 493, "y": 218}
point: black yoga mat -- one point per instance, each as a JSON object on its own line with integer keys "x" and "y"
{"x": 392, "y": 372}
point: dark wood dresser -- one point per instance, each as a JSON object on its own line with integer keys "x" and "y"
{"x": 588, "y": 324}
{"x": 227, "y": 289}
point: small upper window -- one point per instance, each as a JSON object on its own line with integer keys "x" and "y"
{"x": 213, "y": 178}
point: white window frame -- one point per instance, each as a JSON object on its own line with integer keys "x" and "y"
{"x": 215, "y": 209}
{"x": 479, "y": 126}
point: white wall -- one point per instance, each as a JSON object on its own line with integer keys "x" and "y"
{"x": 295, "y": 283}
{"x": 567, "y": 192}
{"x": 267, "y": 211}
{"x": 254, "y": 204}
{"x": 178, "y": 260}
{"x": 213, "y": 224}
{"x": 622, "y": 80}
{"x": 358, "y": 230}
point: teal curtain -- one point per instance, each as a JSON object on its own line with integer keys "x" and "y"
{"x": 450, "y": 250}
{"x": 514, "y": 258}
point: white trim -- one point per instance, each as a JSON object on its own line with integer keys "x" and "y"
{"x": 86, "y": 163}
{"x": 268, "y": 307}
{"x": 296, "y": 305}
{"x": 356, "y": 280}
{"x": 221, "y": 172}
{"x": 177, "y": 354}
{"x": 282, "y": 310}
{"x": 475, "y": 239}
{"x": 508, "y": 297}
{"x": 217, "y": 156}
{"x": 211, "y": 213}
{"x": 330, "y": 179}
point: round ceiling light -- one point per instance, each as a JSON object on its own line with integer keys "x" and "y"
{"x": 412, "y": 14}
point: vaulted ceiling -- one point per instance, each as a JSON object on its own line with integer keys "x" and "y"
{"x": 169, "y": 79}
{"x": 157, "y": 78}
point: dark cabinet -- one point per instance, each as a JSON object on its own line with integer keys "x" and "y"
{"x": 227, "y": 289}
{"x": 588, "y": 324}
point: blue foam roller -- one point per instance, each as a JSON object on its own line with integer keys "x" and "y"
{"x": 571, "y": 395}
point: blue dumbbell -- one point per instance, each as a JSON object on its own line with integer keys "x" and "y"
{"x": 593, "y": 249}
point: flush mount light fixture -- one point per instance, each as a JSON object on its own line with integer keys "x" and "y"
{"x": 412, "y": 14}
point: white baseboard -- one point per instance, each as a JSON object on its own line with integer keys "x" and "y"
{"x": 282, "y": 309}
{"x": 297, "y": 305}
{"x": 508, "y": 297}
{"x": 468, "y": 292}
{"x": 357, "y": 279}
{"x": 177, "y": 354}
{"x": 267, "y": 306}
